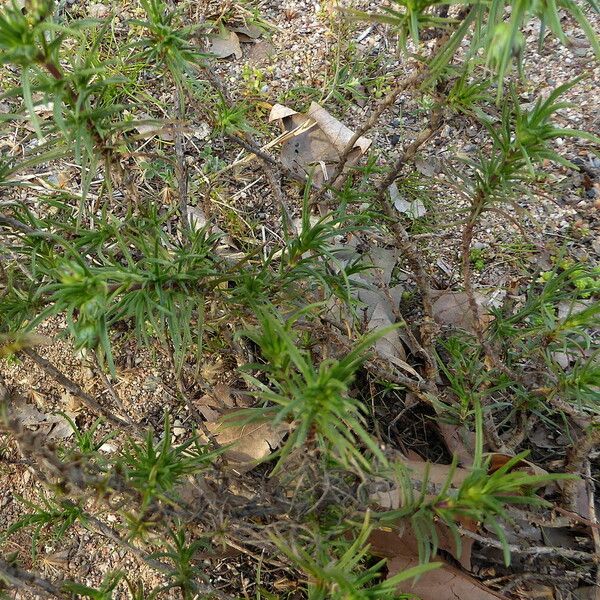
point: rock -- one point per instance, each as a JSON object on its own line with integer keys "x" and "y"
{"x": 178, "y": 428}
{"x": 98, "y": 11}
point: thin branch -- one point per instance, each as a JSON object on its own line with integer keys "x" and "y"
{"x": 180, "y": 166}
{"x": 267, "y": 162}
{"x": 28, "y": 581}
{"x": 406, "y": 245}
{"x": 339, "y": 177}
{"x": 533, "y": 550}
{"x": 75, "y": 389}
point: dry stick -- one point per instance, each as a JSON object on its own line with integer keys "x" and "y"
{"x": 107, "y": 384}
{"x": 375, "y": 366}
{"x": 267, "y": 164}
{"x": 339, "y": 177}
{"x": 578, "y": 418}
{"x": 404, "y": 242}
{"x": 576, "y": 459}
{"x": 26, "y": 580}
{"x": 265, "y": 156}
{"x": 34, "y": 444}
{"x": 477, "y": 206}
{"x": 592, "y": 508}
{"x": 514, "y": 580}
{"x": 19, "y": 226}
{"x": 533, "y": 550}
{"x": 180, "y": 167}
{"x": 75, "y": 389}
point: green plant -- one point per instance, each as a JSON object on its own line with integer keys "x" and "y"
{"x": 182, "y": 555}
{"x": 155, "y": 468}
{"x": 104, "y": 592}
{"x": 337, "y": 569}
{"x": 52, "y": 517}
{"x": 478, "y": 258}
{"x": 314, "y": 399}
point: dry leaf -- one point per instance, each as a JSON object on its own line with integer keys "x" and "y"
{"x": 459, "y": 440}
{"x": 221, "y": 399}
{"x": 250, "y": 442}
{"x": 224, "y": 44}
{"x": 388, "y": 497}
{"x": 499, "y": 459}
{"x": 54, "y": 427}
{"x": 414, "y": 209}
{"x": 338, "y": 134}
{"x": 390, "y": 345}
{"x": 445, "y": 583}
{"x": 248, "y": 33}
{"x": 147, "y": 128}
{"x": 261, "y": 52}
{"x": 452, "y": 309}
{"x": 315, "y": 142}
{"x": 385, "y": 543}
{"x": 428, "y": 167}
{"x": 196, "y": 217}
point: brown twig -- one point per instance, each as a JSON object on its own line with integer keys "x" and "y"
{"x": 265, "y": 156}
{"x": 339, "y": 177}
{"x": 406, "y": 245}
{"x": 107, "y": 384}
{"x": 75, "y": 389}
{"x": 589, "y": 482}
{"x": 28, "y": 581}
{"x": 181, "y": 173}
{"x": 533, "y": 550}
{"x": 247, "y": 141}
{"x": 576, "y": 459}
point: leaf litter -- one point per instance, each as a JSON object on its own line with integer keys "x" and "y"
{"x": 313, "y": 143}
{"x": 226, "y": 412}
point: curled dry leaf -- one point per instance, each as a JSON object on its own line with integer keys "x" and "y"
{"x": 247, "y": 33}
{"x": 224, "y": 44}
{"x": 452, "y": 309}
{"x": 385, "y": 543}
{"x": 389, "y": 347}
{"x": 459, "y": 440}
{"x": 147, "y": 128}
{"x": 249, "y": 442}
{"x": 379, "y": 301}
{"x": 315, "y": 141}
